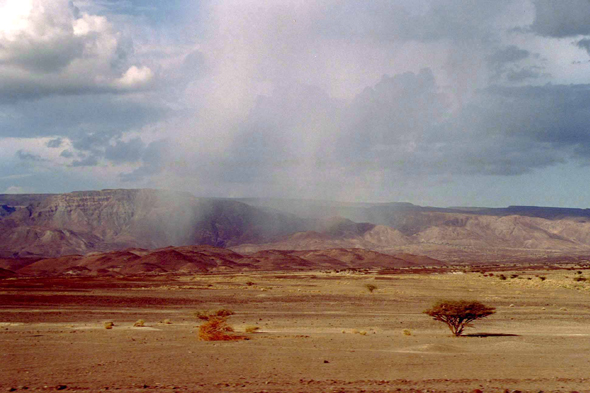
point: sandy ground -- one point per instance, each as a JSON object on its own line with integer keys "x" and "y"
{"x": 317, "y": 333}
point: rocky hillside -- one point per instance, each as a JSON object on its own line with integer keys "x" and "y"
{"x": 109, "y": 220}
{"x": 81, "y": 222}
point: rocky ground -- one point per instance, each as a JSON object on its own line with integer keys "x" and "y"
{"x": 317, "y": 332}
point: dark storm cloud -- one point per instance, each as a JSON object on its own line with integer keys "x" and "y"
{"x": 19, "y": 89}
{"x": 510, "y": 54}
{"x": 130, "y": 151}
{"x": 88, "y": 161}
{"x": 75, "y": 116}
{"x": 584, "y": 44}
{"x": 54, "y": 143}
{"x": 561, "y": 18}
{"x": 390, "y": 21}
{"x": 281, "y": 131}
{"x": 506, "y": 65}
{"x": 154, "y": 159}
{"x": 66, "y": 154}
{"x": 26, "y": 156}
{"x": 524, "y": 74}
{"x": 405, "y": 125}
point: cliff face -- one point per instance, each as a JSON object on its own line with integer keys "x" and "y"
{"x": 90, "y": 221}
{"x": 81, "y": 222}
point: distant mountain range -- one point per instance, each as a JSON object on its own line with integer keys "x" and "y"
{"x": 56, "y": 225}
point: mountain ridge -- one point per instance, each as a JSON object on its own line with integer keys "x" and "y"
{"x": 82, "y": 222}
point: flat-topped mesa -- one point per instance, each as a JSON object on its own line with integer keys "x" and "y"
{"x": 114, "y": 219}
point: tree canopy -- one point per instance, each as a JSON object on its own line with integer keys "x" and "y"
{"x": 457, "y": 314}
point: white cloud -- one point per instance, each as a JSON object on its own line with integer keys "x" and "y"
{"x": 49, "y": 47}
{"x": 14, "y": 190}
{"x": 135, "y": 77}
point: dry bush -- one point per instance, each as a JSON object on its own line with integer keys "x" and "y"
{"x": 217, "y": 329}
{"x": 209, "y": 314}
{"x": 166, "y": 321}
{"x": 139, "y": 323}
{"x": 371, "y": 287}
{"x": 458, "y": 314}
{"x": 407, "y": 332}
{"x": 215, "y": 326}
{"x": 109, "y": 325}
{"x": 251, "y": 329}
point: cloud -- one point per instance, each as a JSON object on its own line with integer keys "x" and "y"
{"x": 14, "y": 177}
{"x": 330, "y": 99}
{"x": 121, "y": 151}
{"x": 54, "y": 143}
{"x": 88, "y": 161}
{"x": 510, "y": 54}
{"x": 135, "y": 77}
{"x": 584, "y": 44}
{"x": 404, "y": 127}
{"x": 154, "y": 160}
{"x": 14, "y": 190}
{"x": 561, "y": 19}
{"x": 26, "y": 156}
{"x": 406, "y": 20}
{"x": 524, "y": 74}
{"x": 51, "y": 48}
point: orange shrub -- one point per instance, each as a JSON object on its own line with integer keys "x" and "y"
{"x": 217, "y": 329}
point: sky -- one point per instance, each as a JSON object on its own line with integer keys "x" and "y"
{"x": 433, "y": 102}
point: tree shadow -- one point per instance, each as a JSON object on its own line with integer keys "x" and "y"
{"x": 491, "y": 335}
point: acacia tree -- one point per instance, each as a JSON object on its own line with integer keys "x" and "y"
{"x": 458, "y": 314}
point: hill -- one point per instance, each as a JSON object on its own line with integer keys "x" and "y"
{"x": 204, "y": 259}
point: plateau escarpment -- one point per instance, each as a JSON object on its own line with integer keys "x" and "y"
{"x": 81, "y": 222}
{"x": 109, "y": 220}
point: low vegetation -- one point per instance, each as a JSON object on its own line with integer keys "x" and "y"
{"x": 139, "y": 323}
{"x": 210, "y": 314}
{"x": 371, "y": 287}
{"x": 458, "y": 314}
{"x": 215, "y": 326}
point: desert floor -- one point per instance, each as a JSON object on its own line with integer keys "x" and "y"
{"x": 320, "y": 332}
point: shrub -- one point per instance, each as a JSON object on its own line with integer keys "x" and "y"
{"x": 215, "y": 326}
{"x": 458, "y": 314}
{"x": 407, "y": 332}
{"x": 251, "y": 329}
{"x": 209, "y": 314}
{"x": 217, "y": 329}
{"x": 139, "y": 323}
{"x": 371, "y": 287}
{"x": 109, "y": 325}
{"x": 502, "y": 277}
{"x": 579, "y": 279}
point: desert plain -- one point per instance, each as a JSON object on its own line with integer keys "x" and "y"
{"x": 321, "y": 331}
